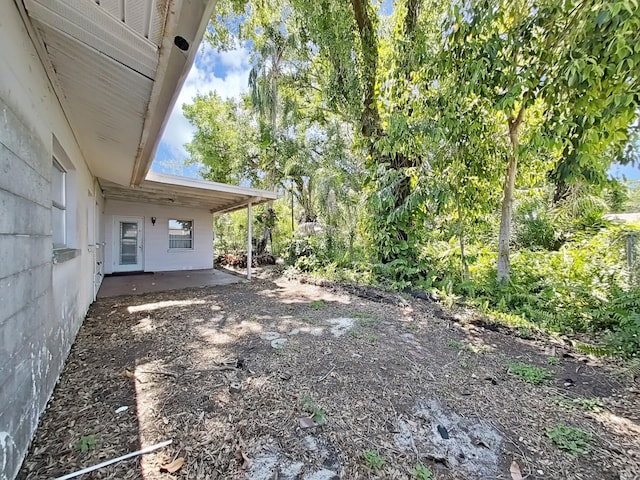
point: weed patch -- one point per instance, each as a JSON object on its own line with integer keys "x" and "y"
{"x": 580, "y": 403}
{"x": 373, "y": 460}
{"x": 86, "y": 443}
{"x": 529, "y": 373}
{"x": 421, "y": 472}
{"x": 369, "y": 322}
{"x": 318, "y": 415}
{"x": 572, "y": 440}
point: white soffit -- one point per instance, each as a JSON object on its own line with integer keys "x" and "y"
{"x": 117, "y": 72}
{"x": 107, "y": 123}
{"x": 87, "y": 22}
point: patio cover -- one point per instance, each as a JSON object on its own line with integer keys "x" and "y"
{"x": 165, "y": 189}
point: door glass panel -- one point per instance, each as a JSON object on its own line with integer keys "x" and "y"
{"x": 128, "y": 243}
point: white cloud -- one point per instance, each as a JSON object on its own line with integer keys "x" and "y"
{"x": 234, "y": 68}
{"x": 235, "y": 59}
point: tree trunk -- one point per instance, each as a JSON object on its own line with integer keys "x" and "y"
{"x": 369, "y": 117}
{"x": 463, "y": 256}
{"x": 370, "y": 123}
{"x": 504, "y": 265}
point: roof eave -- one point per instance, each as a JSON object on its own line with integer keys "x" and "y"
{"x": 208, "y": 185}
{"x": 186, "y": 192}
{"x": 188, "y": 19}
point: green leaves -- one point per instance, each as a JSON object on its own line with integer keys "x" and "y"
{"x": 529, "y": 373}
{"x": 399, "y": 128}
{"x": 86, "y": 443}
{"x": 572, "y": 440}
{"x": 222, "y": 137}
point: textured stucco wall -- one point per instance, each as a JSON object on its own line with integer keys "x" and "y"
{"x": 42, "y": 304}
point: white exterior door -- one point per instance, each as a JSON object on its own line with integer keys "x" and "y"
{"x": 128, "y": 244}
{"x": 98, "y": 269}
{"x": 95, "y": 245}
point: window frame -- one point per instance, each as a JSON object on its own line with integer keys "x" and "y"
{"x": 59, "y": 204}
{"x": 191, "y": 237}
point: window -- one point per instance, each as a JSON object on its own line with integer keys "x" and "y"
{"x": 180, "y": 234}
{"x": 59, "y": 205}
{"x": 64, "y": 201}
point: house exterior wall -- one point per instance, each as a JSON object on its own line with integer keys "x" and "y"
{"x": 42, "y": 304}
{"x": 157, "y": 255}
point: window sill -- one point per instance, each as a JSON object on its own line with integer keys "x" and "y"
{"x": 61, "y": 255}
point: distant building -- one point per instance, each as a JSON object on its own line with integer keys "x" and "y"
{"x": 623, "y": 217}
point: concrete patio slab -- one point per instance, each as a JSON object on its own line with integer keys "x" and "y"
{"x": 116, "y": 285}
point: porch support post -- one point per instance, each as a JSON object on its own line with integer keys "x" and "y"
{"x": 249, "y": 242}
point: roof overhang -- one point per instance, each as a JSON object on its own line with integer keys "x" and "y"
{"x": 117, "y": 70}
{"x": 161, "y": 189}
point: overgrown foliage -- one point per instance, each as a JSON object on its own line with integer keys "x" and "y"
{"x": 456, "y": 146}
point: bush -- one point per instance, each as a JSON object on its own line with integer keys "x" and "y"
{"x": 622, "y": 317}
{"x": 330, "y": 257}
{"x": 540, "y": 225}
{"x": 582, "y": 287}
{"x": 311, "y": 253}
{"x": 331, "y": 246}
{"x": 534, "y": 227}
{"x": 625, "y": 339}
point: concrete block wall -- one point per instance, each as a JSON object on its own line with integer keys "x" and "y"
{"x": 42, "y": 304}
{"x": 25, "y": 282}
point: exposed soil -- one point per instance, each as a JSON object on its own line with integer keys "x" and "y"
{"x": 278, "y": 379}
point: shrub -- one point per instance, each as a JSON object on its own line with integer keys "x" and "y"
{"x": 622, "y": 317}
{"x": 316, "y": 251}
{"x": 534, "y": 227}
{"x": 582, "y": 287}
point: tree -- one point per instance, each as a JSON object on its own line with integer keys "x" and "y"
{"x": 600, "y": 101}
{"x": 518, "y": 53}
{"x": 348, "y": 40}
{"x": 223, "y": 138}
{"x": 449, "y": 110}
{"x": 289, "y": 137}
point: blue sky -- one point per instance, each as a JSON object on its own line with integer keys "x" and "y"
{"x": 629, "y": 171}
{"x": 227, "y": 73}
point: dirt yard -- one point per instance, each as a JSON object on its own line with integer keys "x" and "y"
{"x": 277, "y": 379}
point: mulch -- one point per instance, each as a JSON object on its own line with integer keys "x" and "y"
{"x": 200, "y": 367}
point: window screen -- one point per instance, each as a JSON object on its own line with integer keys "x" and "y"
{"x": 180, "y": 234}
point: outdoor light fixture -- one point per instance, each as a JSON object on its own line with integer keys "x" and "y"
{"x": 153, "y": 220}
{"x": 181, "y": 43}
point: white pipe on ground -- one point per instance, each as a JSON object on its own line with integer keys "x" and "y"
{"x": 115, "y": 460}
